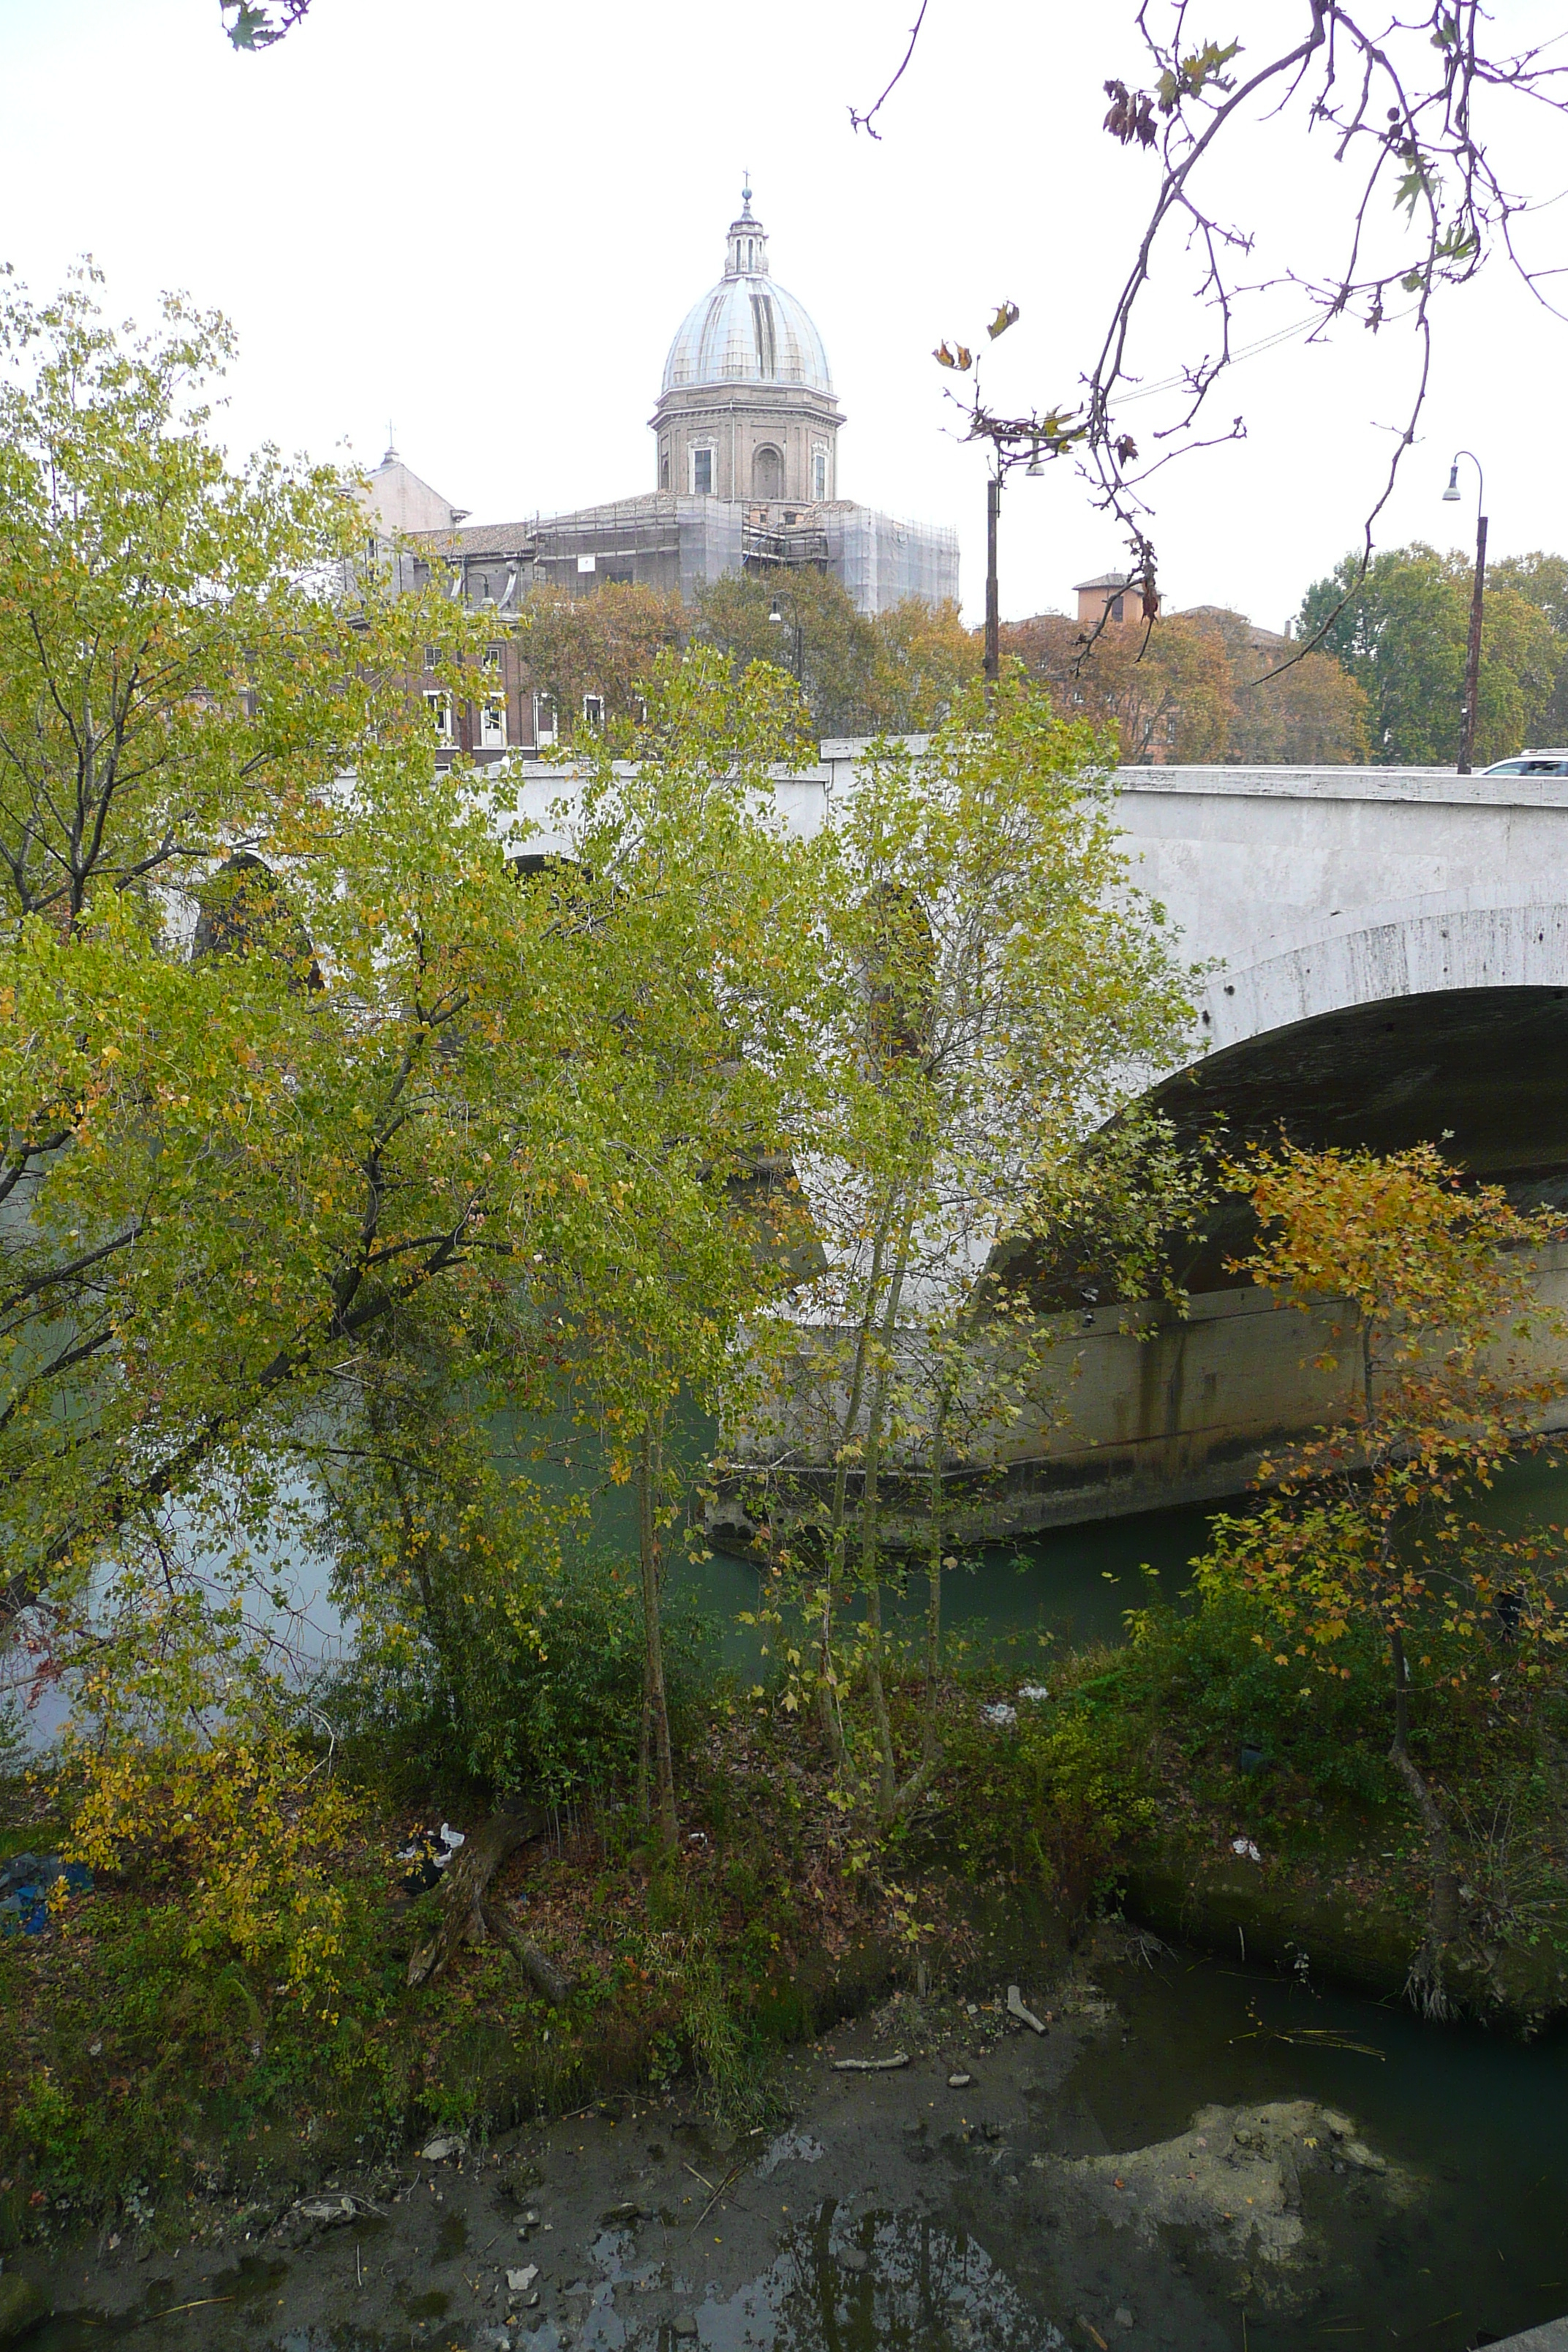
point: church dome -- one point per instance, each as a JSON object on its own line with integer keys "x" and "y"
{"x": 748, "y": 329}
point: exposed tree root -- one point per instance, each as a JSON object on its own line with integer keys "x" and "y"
{"x": 465, "y": 1883}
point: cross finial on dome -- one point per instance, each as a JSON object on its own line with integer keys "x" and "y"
{"x": 745, "y": 194}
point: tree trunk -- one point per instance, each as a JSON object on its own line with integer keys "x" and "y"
{"x": 540, "y": 1972}
{"x": 828, "y": 1702}
{"x": 1443, "y": 1915}
{"x": 933, "y": 1584}
{"x": 656, "y": 1710}
{"x": 466, "y": 1883}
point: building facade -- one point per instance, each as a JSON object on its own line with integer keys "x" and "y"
{"x": 746, "y": 469}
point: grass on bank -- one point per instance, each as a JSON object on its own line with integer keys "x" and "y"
{"x": 144, "y": 2069}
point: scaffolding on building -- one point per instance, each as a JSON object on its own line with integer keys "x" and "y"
{"x": 681, "y": 543}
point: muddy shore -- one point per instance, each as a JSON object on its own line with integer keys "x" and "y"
{"x": 963, "y": 2199}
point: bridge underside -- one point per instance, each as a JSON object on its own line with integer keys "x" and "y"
{"x": 1482, "y": 1073}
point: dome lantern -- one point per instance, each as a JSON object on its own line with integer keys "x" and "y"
{"x": 748, "y": 250}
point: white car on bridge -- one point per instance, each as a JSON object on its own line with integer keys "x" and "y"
{"x": 1531, "y": 763}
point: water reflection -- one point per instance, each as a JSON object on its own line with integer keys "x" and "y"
{"x": 842, "y": 2281}
{"x": 873, "y": 2283}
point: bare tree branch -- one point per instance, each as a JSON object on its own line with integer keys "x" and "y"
{"x": 1427, "y": 206}
{"x": 867, "y": 122}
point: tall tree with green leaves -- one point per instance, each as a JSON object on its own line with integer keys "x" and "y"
{"x": 898, "y": 672}
{"x": 264, "y": 1068}
{"x": 1400, "y": 632}
{"x": 1542, "y": 581}
{"x": 694, "y": 911}
{"x": 998, "y": 993}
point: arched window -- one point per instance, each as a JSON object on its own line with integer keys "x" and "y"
{"x": 767, "y": 472}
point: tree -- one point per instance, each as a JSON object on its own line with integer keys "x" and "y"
{"x": 1402, "y": 633}
{"x": 1410, "y": 112}
{"x": 1290, "y": 709}
{"x": 1166, "y": 692}
{"x": 1542, "y": 581}
{"x": 695, "y": 909}
{"x": 924, "y": 659}
{"x": 996, "y": 992}
{"x": 216, "y": 1175}
{"x": 818, "y": 636}
{"x": 1368, "y": 1525}
{"x": 897, "y": 672}
{"x": 607, "y": 644}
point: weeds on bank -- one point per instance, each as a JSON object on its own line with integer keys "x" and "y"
{"x": 143, "y": 2054}
{"x": 133, "y": 2051}
{"x": 1205, "y": 1724}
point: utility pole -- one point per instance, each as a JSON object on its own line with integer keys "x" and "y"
{"x": 1478, "y": 600}
{"x": 797, "y": 628}
{"x": 993, "y": 609}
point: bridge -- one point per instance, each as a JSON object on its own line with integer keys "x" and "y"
{"x": 1392, "y": 952}
{"x": 1389, "y": 954}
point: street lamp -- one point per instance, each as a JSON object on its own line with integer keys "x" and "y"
{"x": 993, "y": 605}
{"x": 775, "y": 614}
{"x": 1451, "y": 497}
{"x": 1033, "y": 470}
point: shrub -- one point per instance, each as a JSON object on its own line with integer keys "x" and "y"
{"x": 553, "y": 1704}
{"x": 183, "y": 1765}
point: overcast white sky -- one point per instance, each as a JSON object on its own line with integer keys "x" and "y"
{"x": 484, "y": 219}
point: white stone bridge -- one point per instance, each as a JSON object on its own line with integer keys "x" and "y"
{"x": 1325, "y": 889}
{"x": 1390, "y": 953}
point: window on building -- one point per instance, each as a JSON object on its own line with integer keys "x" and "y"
{"x": 820, "y": 473}
{"x": 767, "y": 472}
{"x": 1116, "y": 608}
{"x": 545, "y": 730}
{"x": 593, "y": 709}
{"x": 639, "y": 710}
{"x": 663, "y": 468}
{"x": 440, "y": 706}
{"x": 431, "y": 657}
{"x": 702, "y": 471}
{"x": 494, "y": 656}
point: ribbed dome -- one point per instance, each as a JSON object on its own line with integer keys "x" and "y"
{"x": 748, "y": 329}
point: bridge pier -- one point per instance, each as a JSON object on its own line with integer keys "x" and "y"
{"x": 1139, "y": 1409}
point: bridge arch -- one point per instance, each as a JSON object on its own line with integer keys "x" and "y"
{"x": 1442, "y": 943}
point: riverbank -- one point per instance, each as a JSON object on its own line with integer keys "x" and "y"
{"x": 1188, "y": 2158}
{"x": 140, "y": 2068}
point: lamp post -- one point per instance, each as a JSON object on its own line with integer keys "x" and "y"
{"x": 993, "y": 606}
{"x": 775, "y": 615}
{"x": 1451, "y": 497}
{"x": 992, "y": 601}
